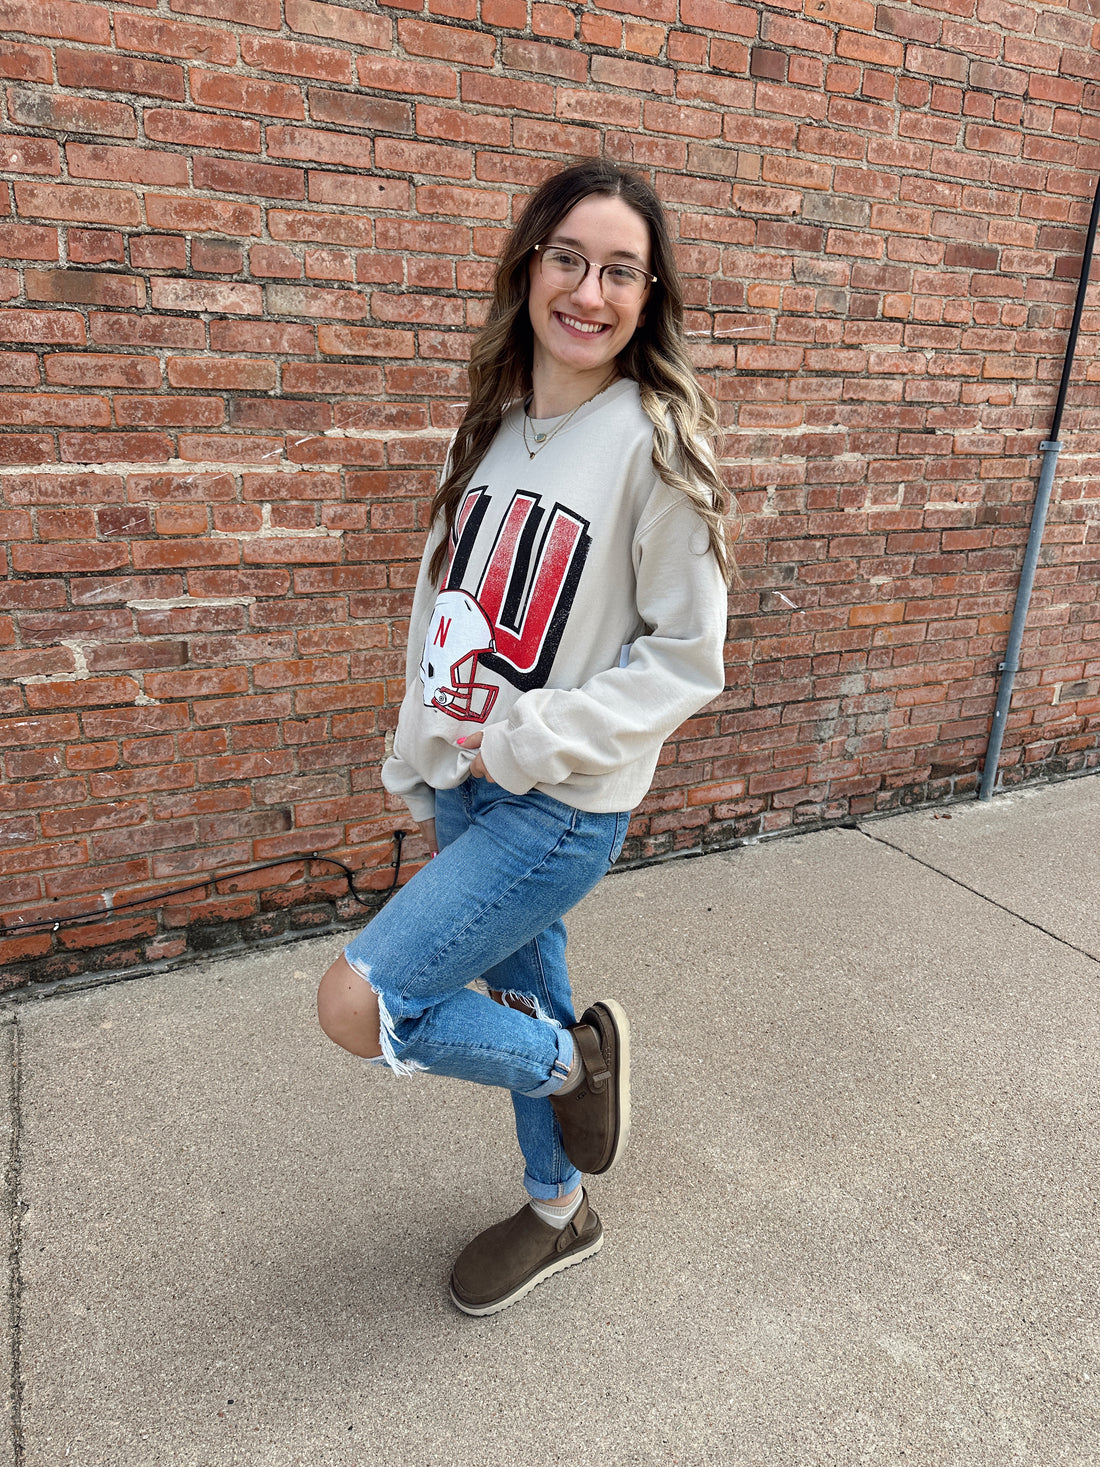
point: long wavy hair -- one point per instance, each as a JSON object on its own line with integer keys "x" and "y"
{"x": 685, "y": 421}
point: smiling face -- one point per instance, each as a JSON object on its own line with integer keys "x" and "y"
{"x": 578, "y": 334}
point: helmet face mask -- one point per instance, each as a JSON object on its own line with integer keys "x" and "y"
{"x": 458, "y": 633}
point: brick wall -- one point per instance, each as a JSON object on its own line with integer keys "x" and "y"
{"x": 245, "y": 246}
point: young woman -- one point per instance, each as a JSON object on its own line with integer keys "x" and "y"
{"x": 570, "y": 613}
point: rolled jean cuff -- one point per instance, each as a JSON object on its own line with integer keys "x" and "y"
{"x": 560, "y": 1070}
{"x": 552, "y": 1191}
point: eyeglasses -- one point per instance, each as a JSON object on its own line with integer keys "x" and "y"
{"x": 566, "y": 269}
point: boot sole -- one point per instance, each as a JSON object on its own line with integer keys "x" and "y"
{"x": 494, "y": 1306}
{"x": 621, "y": 1079}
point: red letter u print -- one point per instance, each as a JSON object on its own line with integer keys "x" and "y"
{"x": 528, "y": 583}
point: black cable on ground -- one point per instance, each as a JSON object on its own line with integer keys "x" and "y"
{"x": 56, "y": 923}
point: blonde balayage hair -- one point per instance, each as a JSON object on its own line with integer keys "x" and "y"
{"x": 685, "y": 421}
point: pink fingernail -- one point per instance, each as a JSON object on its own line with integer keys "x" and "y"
{"x": 462, "y": 740}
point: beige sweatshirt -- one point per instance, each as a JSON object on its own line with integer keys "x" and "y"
{"x": 580, "y": 622}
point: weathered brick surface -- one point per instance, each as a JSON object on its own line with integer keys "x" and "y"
{"x": 245, "y": 246}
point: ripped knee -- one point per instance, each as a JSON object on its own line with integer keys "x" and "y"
{"x": 347, "y": 1010}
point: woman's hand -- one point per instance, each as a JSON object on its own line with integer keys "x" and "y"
{"x": 470, "y": 742}
{"x": 427, "y": 831}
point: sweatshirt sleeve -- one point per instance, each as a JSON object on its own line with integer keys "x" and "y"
{"x": 398, "y": 775}
{"x": 675, "y": 669}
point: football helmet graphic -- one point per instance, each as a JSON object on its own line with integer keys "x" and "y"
{"x": 458, "y": 633}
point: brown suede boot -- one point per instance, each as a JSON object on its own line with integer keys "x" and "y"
{"x": 595, "y": 1116}
{"x": 507, "y": 1260}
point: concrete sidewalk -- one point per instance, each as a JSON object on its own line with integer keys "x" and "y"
{"x": 857, "y": 1222}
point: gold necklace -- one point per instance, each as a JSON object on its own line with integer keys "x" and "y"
{"x": 542, "y": 439}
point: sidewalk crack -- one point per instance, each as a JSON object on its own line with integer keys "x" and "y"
{"x": 982, "y": 896}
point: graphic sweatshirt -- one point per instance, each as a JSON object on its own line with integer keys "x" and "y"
{"x": 581, "y": 618}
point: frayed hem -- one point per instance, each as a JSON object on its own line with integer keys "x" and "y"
{"x": 525, "y": 1003}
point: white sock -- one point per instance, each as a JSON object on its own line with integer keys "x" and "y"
{"x": 575, "y": 1075}
{"x": 556, "y": 1213}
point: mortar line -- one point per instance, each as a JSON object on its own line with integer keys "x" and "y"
{"x": 982, "y": 896}
{"x": 15, "y": 1241}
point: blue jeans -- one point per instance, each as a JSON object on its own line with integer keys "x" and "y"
{"x": 490, "y": 906}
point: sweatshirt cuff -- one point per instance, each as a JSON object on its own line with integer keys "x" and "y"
{"x": 402, "y": 780}
{"x": 496, "y": 751}
{"x": 421, "y": 803}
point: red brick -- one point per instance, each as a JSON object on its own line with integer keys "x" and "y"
{"x": 126, "y": 165}
{"x": 359, "y": 191}
{"x": 62, "y": 20}
{"x": 42, "y": 327}
{"x": 170, "y": 294}
{"x": 309, "y": 377}
{"x": 993, "y": 140}
{"x": 399, "y": 155}
{"x": 28, "y": 242}
{"x": 338, "y": 23}
{"x": 25, "y": 63}
{"x": 216, "y": 257}
{"x": 93, "y": 70}
{"x": 98, "y": 448}
{"x": 42, "y": 410}
{"x": 153, "y": 555}
{"x": 266, "y": 180}
{"x": 19, "y": 369}
{"x": 602, "y": 30}
{"x": 157, "y": 252}
{"x": 262, "y": 336}
{"x": 225, "y": 448}
{"x": 544, "y": 60}
{"x": 553, "y": 20}
{"x": 640, "y": 76}
{"x": 197, "y": 683}
{"x": 298, "y": 300}
{"x": 605, "y": 108}
{"x": 85, "y": 287}
{"x": 410, "y": 78}
{"x": 350, "y": 109}
{"x": 201, "y": 216}
{"x": 32, "y": 663}
{"x": 298, "y": 58}
{"x": 79, "y": 204}
{"x": 264, "y": 14}
{"x": 128, "y": 330}
{"x": 82, "y": 693}
{"x": 169, "y": 412}
{"x": 26, "y": 448}
{"x": 722, "y": 91}
{"x": 274, "y": 260}
{"x": 447, "y": 43}
{"x": 208, "y": 374}
{"x": 538, "y": 134}
{"x": 498, "y": 91}
{"x": 246, "y": 94}
{"x": 312, "y": 145}
{"x": 32, "y": 732}
{"x": 465, "y": 203}
{"x": 199, "y": 130}
{"x": 31, "y": 155}
{"x": 96, "y": 246}
{"x": 72, "y": 114}
{"x": 174, "y": 38}
{"x": 340, "y": 229}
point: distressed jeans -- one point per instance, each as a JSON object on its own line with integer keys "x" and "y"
{"x": 490, "y": 907}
